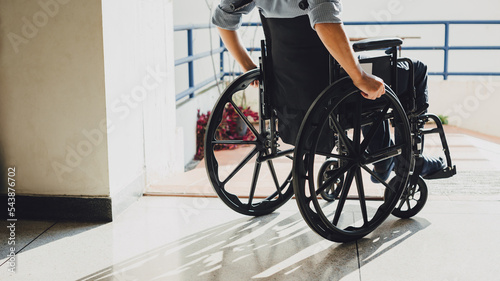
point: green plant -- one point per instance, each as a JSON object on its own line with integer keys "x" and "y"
{"x": 230, "y": 128}
{"x": 443, "y": 119}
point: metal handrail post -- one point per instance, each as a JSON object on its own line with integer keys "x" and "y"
{"x": 446, "y": 49}
{"x": 191, "y": 63}
{"x": 222, "y": 60}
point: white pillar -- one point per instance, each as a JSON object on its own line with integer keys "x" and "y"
{"x": 87, "y": 102}
{"x": 52, "y": 99}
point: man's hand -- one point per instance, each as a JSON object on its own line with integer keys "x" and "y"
{"x": 255, "y": 83}
{"x": 372, "y": 87}
{"x": 336, "y": 41}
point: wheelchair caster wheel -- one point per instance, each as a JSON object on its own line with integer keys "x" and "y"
{"x": 412, "y": 200}
{"x": 332, "y": 192}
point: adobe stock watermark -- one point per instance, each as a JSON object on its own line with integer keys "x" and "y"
{"x": 459, "y": 111}
{"x": 392, "y": 8}
{"x": 471, "y": 103}
{"x": 31, "y": 26}
{"x": 198, "y": 204}
{"x": 122, "y": 107}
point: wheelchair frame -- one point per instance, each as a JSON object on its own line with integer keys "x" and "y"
{"x": 405, "y": 194}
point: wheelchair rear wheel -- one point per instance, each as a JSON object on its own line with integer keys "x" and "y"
{"x": 333, "y": 129}
{"x": 248, "y": 153}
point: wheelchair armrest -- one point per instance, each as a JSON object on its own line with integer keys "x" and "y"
{"x": 376, "y": 43}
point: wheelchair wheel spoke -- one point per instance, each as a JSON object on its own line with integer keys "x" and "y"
{"x": 412, "y": 191}
{"x": 273, "y": 174}
{"x": 343, "y": 137}
{"x": 361, "y": 194}
{"x": 245, "y": 119}
{"x": 400, "y": 204}
{"x": 279, "y": 191}
{"x": 236, "y": 142}
{"x": 255, "y": 178}
{"x": 386, "y": 153}
{"x": 357, "y": 124}
{"x": 407, "y": 201}
{"x": 374, "y": 127}
{"x": 377, "y": 177}
{"x": 343, "y": 197}
{"x": 332, "y": 178}
{"x": 240, "y": 166}
{"x": 334, "y": 155}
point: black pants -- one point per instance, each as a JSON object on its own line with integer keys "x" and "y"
{"x": 382, "y": 138}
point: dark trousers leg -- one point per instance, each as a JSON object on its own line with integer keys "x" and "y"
{"x": 420, "y": 80}
{"x": 382, "y": 138}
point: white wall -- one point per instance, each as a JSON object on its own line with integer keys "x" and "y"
{"x": 52, "y": 98}
{"x": 367, "y": 10}
{"x": 470, "y": 104}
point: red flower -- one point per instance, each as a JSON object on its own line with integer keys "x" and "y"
{"x": 231, "y": 127}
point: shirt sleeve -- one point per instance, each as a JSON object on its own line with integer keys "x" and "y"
{"x": 224, "y": 17}
{"x": 324, "y": 11}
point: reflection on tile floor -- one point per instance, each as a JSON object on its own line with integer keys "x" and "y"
{"x": 171, "y": 238}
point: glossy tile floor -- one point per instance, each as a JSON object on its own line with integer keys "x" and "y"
{"x": 171, "y": 238}
{"x": 455, "y": 237}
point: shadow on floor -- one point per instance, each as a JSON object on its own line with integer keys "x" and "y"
{"x": 276, "y": 246}
{"x": 32, "y": 234}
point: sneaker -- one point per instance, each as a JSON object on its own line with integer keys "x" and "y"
{"x": 383, "y": 174}
{"x": 432, "y": 165}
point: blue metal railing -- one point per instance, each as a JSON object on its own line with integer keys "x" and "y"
{"x": 446, "y": 48}
{"x": 193, "y": 57}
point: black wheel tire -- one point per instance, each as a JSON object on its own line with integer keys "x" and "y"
{"x": 412, "y": 200}
{"x": 245, "y": 202}
{"x": 339, "y": 106}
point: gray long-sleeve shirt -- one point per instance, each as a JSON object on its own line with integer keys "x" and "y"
{"x": 319, "y": 11}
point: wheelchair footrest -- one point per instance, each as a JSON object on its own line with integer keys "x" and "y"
{"x": 444, "y": 173}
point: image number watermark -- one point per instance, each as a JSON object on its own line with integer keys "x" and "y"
{"x": 11, "y": 218}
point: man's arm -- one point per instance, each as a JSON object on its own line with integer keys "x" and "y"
{"x": 233, "y": 44}
{"x": 335, "y": 40}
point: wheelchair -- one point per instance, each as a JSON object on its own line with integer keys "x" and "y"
{"x": 329, "y": 167}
